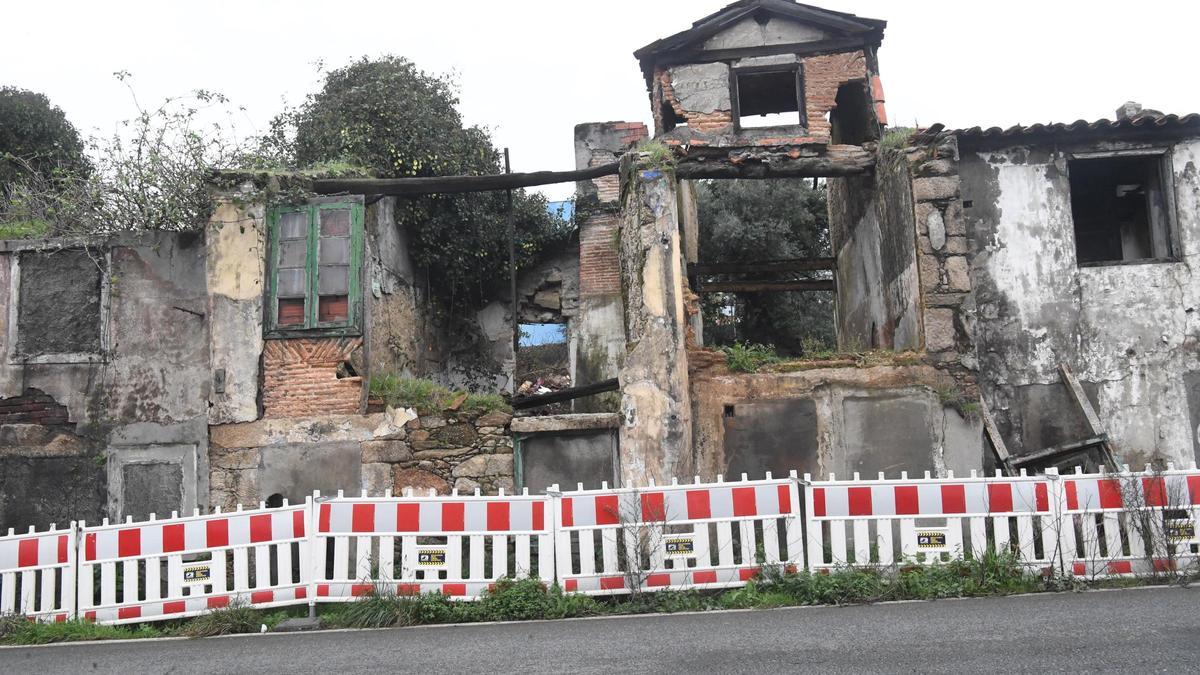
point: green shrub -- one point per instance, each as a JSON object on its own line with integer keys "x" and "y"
{"x": 748, "y": 358}
{"x": 225, "y": 621}
{"x": 428, "y": 396}
{"x": 16, "y": 630}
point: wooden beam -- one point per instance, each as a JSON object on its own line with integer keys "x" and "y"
{"x": 993, "y": 434}
{"x": 458, "y": 184}
{"x": 770, "y": 162}
{"x": 526, "y": 402}
{"x": 767, "y": 286}
{"x": 1062, "y": 449}
{"x": 1089, "y": 413}
{"x": 792, "y": 265}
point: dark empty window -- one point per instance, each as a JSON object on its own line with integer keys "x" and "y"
{"x": 768, "y": 97}
{"x": 1120, "y": 209}
{"x": 59, "y": 304}
{"x": 315, "y": 254}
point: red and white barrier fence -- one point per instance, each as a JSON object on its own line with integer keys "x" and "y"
{"x": 164, "y": 569}
{"x": 456, "y": 545}
{"x": 37, "y": 574}
{"x": 885, "y": 521}
{"x": 606, "y": 541}
{"x": 675, "y": 536}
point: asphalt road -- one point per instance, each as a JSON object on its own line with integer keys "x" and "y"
{"x": 1144, "y": 630}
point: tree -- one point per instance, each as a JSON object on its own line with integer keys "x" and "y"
{"x": 395, "y": 120}
{"x": 755, "y": 220}
{"x": 35, "y": 136}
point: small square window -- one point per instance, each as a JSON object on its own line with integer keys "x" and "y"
{"x": 768, "y": 98}
{"x": 1120, "y": 208}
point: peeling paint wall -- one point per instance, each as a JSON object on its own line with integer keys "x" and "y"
{"x": 1128, "y": 331}
{"x": 235, "y": 258}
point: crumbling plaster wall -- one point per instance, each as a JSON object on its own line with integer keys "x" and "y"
{"x": 871, "y": 222}
{"x": 838, "y": 420}
{"x": 235, "y": 260}
{"x": 1128, "y": 331}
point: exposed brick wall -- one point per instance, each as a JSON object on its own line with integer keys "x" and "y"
{"x": 300, "y": 378}
{"x": 715, "y": 121}
{"x": 599, "y": 265}
{"x": 32, "y": 407}
{"x": 822, "y": 77}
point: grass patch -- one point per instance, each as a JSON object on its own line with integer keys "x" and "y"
{"x": 748, "y": 358}
{"x": 20, "y": 631}
{"x": 897, "y": 137}
{"x": 225, "y": 621}
{"x": 24, "y": 229}
{"x": 428, "y": 396}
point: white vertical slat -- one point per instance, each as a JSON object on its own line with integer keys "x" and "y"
{"x": 28, "y": 584}
{"x": 129, "y": 581}
{"x": 174, "y": 576}
{"x": 262, "y": 567}
{"x": 908, "y": 538}
{"x": 771, "y": 541}
{"x": 862, "y": 542}
{"x": 241, "y": 569}
{"x": 608, "y": 551}
{"x": 545, "y": 557}
{"x": 837, "y": 541}
{"x": 69, "y": 590}
{"x": 1091, "y": 537}
{"x": 656, "y": 543}
{"x": 1025, "y": 535}
{"x": 1112, "y": 534}
{"x": 283, "y": 564}
{"x": 724, "y": 544}
{"x": 387, "y": 558}
{"x": 362, "y": 559}
{"x": 454, "y": 545}
{"x": 49, "y": 588}
{"x": 341, "y": 557}
{"x": 499, "y": 556}
{"x": 587, "y": 552}
{"x": 884, "y": 541}
{"x": 1001, "y": 533}
{"x": 954, "y": 537}
{"x": 154, "y": 578}
{"x": 523, "y": 568}
{"x": 108, "y": 583}
{"x": 408, "y": 562}
{"x": 978, "y": 545}
{"x": 632, "y": 561}
{"x": 219, "y": 574}
{"x": 815, "y": 543}
{"x": 794, "y": 527}
{"x": 477, "y": 555}
{"x": 700, "y": 539}
{"x": 8, "y": 593}
{"x": 1137, "y": 545}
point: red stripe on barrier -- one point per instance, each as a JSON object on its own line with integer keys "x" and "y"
{"x": 572, "y": 585}
{"x": 654, "y": 508}
{"x": 1079, "y": 569}
{"x": 658, "y": 580}
{"x": 1000, "y": 498}
{"x": 217, "y": 532}
{"x": 859, "y": 499}
{"x": 908, "y": 503}
{"x": 1072, "y": 496}
{"x": 297, "y": 524}
{"x": 785, "y": 499}
{"x": 27, "y": 553}
{"x": 323, "y": 518}
{"x": 323, "y": 591}
{"x": 301, "y": 593}
{"x": 129, "y": 543}
{"x": 954, "y": 499}
{"x": 707, "y": 577}
{"x": 260, "y": 528}
{"x": 748, "y": 573}
{"x": 359, "y": 590}
{"x": 62, "y": 549}
{"x": 612, "y": 583}
{"x": 568, "y": 512}
{"x": 1120, "y": 567}
{"x": 60, "y": 618}
{"x": 453, "y": 515}
{"x": 1164, "y": 565}
{"x": 408, "y": 517}
{"x": 1042, "y": 497}
{"x": 90, "y": 616}
{"x": 698, "y": 504}
{"x": 218, "y": 601}
{"x": 129, "y": 612}
{"x": 818, "y": 502}
{"x": 362, "y": 518}
{"x": 172, "y": 536}
{"x": 745, "y": 502}
{"x": 1193, "y": 483}
{"x": 497, "y": 516}
{"x": 1110, "y": 494}
{"x": 539, "y": 515}
{"x": 89, "y": 546}
{"x": 1155, "y": 489}
{"x": 262, "y": 596}
{"x": 454, "y": 589}
{"x": 607, "y": 511}
{"x": 408, "y": 589}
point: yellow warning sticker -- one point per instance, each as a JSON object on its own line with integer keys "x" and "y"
{"x": 931, "y": 539}
{"x": 197, "y": 575}
{"x": 683, "y": 547}
{"x": 432, "y": 557}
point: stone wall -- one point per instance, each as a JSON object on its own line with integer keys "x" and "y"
{"x": 393, "y": 451}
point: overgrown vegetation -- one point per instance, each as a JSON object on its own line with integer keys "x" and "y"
{"x": 748, "y": 358}
{"x": 896, "y": 137}
{"x": 36, "y": 139}
{"x": 763, "y": 220}
{"x": 427, "y": 396}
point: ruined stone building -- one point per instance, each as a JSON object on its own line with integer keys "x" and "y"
{"x": 974, "y": 271}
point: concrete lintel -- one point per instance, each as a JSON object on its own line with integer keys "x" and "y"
{"x": 574, "y": 422}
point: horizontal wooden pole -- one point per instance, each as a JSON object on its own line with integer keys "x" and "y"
{"x": 526, "y": 402}
{"x": 792, "y": 265}
{"x": 767, "y": 286}
{"x": 764, "y": 162}
{"x": 457, "y": 184}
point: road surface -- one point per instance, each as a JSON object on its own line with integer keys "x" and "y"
{"x": 1139, "y": 630}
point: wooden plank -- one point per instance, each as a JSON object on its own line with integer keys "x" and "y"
{"x": 525, "y": 402}
{"x": 1062, "y": 449}
{"x": 457, "y": 184}
{"x": 993, "y": 434}
{"x": 1089, "y": 413}
{"x": 841, "y": 160}
{"x": 768, "y": 286}
{"x": 792, "y": 265}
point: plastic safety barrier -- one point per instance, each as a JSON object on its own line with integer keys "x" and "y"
{"x": 676, "y": 536}
{"x": 456, "y": 545}
{"x": 886, "y": 521}
{"x": 181, "y": 567}
{"x": 37, "y": 574}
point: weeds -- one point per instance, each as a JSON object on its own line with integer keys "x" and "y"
{"x": 225, "y": 621}
{"x": 428, "y": 396}
{"x": 748, "y": 358}
{"x": 20, "y": 631}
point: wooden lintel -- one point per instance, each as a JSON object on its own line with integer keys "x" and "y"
{"x": 458, "y": 184}
{"x": 768, "y": 162}
{"x": 767, "y": 286}
{"x": 525, "y": 402}
{"x": 793, "y": 265}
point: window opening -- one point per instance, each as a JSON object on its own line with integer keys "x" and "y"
{"x": 315, "y": 257}
{"x": 768, "y": 98}
{"x": 1119, "y": 209}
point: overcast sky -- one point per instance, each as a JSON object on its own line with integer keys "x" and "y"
{"x": 531, "y": 69}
